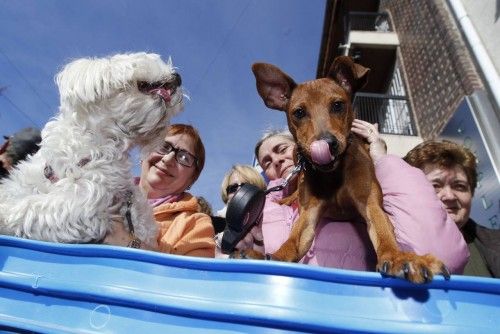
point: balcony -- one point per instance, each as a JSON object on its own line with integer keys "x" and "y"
{"x": 369, "y": 21}
{"x": 358, "y": 30}
{"x": 391, "y": 112}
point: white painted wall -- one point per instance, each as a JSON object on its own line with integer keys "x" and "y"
{"x": 400, "y": 145}
{"x": 485, "y": 17}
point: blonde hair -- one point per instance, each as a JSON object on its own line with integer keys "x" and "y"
{"x": 247, "y": 174}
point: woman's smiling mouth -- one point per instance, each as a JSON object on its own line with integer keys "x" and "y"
{"x": 163, "y": 171}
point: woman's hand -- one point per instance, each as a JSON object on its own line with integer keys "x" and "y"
{"x": 254, "y": 239}
{"x": 370, "y": 133}
{"x": 119, "y": 236}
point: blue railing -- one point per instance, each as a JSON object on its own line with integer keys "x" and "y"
{"x": 369, "y": 21}
{"x": 55, "y": 288}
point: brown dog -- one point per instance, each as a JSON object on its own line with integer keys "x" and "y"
{"x": 338, "y": 180}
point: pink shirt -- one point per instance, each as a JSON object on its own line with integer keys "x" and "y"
{"x": 420, "y": 223}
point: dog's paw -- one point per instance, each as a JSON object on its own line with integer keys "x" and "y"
{"x": 247, "y": 254}
{"x": 415, "y": 268}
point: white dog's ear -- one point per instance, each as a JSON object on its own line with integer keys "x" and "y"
{"x": 88, "y": 80}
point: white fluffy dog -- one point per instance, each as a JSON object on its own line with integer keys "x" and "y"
{"x": 80, "y": 181}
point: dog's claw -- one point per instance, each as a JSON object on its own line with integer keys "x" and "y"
{"x": 445, "y": 272}
{"x": 241, "y": 254}
{"x": 406, "y": 269}
{"x": 425, "y": 274}
{"x": 385, "y": 268}
{"x": 268, "y": 257}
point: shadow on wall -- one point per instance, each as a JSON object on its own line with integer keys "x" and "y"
{"x": 497, "y": 12}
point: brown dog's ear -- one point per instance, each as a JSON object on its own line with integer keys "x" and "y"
{"x": 348, "y": 74}
{"x": 273, "y": 85}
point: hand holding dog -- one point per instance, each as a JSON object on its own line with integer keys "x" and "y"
{"x": 370, "y": 133}
{"x": 119, "y": 236}
{"x": 253, "y": 240}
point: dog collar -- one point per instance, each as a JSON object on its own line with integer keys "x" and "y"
{"x": 135, "y": 242}
{"x": 300, "y": 165}
{"x": 49, "y": 174}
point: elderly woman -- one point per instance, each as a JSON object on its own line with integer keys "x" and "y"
{"x": 166, "y": 176}
{"x": 451, "y": 168}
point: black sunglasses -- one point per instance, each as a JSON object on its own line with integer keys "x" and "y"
{"x": 232, "y": 188}
{"x": 183, "y": 157}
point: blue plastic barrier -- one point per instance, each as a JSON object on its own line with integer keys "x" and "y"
{"x": 56, "y": 288}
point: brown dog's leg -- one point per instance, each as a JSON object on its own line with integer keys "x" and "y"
{"x": 392, "y": 261}
{"x": 300, "y": 239}
{"x": 302, "y": 234}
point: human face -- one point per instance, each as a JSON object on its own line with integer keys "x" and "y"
{"x": 162, "y": 175}
{"x": 181, "y": 156}
{"x": 234, "y": 179}
{"x": 453, "y": 190}
{"x": 276, "y": 157}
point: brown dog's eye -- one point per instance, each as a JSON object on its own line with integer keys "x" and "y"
{"x": 299, "y": 113}
{"x": 337, "y": 106}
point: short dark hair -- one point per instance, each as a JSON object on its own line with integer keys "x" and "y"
{"x": 445, "y": 154}
{"x": 23, "y": 143}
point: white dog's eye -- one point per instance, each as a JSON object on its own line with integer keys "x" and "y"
{"x": 144, "y": 86}
{"x": 172, "y": 84}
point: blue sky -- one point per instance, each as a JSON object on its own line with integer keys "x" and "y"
{"x": 212, "y": 42}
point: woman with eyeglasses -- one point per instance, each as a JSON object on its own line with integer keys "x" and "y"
{"x": 420, "y": 223}
{"x": 166, "y": 175}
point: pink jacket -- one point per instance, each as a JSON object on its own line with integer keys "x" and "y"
{"x": 420, "y": 223}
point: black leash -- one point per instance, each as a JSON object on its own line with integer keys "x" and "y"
{"x": 295, "y": 171}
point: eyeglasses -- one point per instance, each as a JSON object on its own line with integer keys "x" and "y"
{"x": 232, "y": 188}
{"x": 183, "y": 157}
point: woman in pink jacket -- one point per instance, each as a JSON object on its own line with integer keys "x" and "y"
{"x": 420, "y": 223}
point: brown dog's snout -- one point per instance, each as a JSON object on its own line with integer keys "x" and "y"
{"x": 333, "y": 144}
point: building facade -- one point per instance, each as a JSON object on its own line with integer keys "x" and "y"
{"x": 434, "y": 74}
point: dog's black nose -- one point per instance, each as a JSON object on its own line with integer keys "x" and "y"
{"x": 333, "y": 145}
{"x": 177, "y": 80}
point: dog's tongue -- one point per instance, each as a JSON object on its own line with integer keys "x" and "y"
{"x": 320, "y": 152}
{"x": 164, "y": 93}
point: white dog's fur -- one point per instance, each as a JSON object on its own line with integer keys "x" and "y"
{"x": 102, "y": 116}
